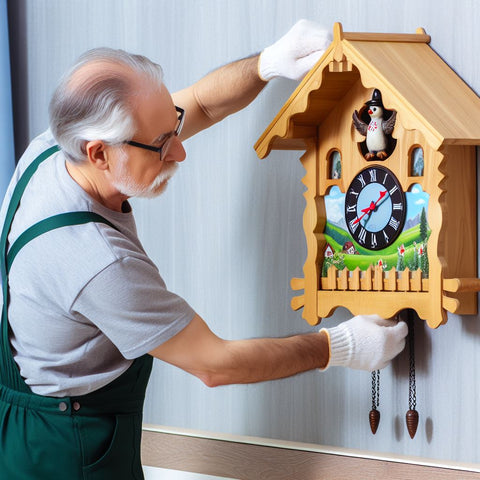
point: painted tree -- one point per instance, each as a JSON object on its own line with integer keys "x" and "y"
{"x": 423, "y": 226}
{"x": 424, "y": 264}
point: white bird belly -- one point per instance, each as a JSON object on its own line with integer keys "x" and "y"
{"x": 376, "y": 139}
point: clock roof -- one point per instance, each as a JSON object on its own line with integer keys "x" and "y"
{"x": 413, "y": 79}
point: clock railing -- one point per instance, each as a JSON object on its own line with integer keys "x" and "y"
{"x": 374, "y": 278}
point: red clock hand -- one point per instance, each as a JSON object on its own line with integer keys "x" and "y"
{"x": 382, "y": 194}
{"x": 371, "y": 208}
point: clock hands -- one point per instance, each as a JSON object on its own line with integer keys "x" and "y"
{"x": 371, "y": 208}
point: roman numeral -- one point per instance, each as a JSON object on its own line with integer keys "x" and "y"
{"x": 373, "y": 241}
{"x": 362, "y": 236}
{"x": 373, "y": 175}
{"x": 386, "y": 236}
{"x": 398, "y": 206}
{"x": 353, "y": 225}
{"x": 394, "y": 223}
{"x": 351, "y": 208}
{"x": 393, "y": 190}
{"x": 362, "y": 180}
{"x": 385, "y": 179}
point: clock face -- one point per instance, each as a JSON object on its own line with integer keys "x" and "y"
{"x": 375, "y": 208}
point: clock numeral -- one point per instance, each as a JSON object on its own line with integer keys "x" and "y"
{"x": 375, "y": 201}
{"x": 362, "y": 236}
{"x": 353, "y": 225}
{"x": 353, "y": 192}
{"x": 351, "y": 208}
{"x": 394, "y": 223}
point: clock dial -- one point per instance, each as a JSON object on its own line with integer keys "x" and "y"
{"x": 375, "y": 208}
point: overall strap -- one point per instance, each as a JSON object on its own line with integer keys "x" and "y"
{"x": 51, "y": 223}
{"x": 15, "y": 200}
{"x": 8, "y": 364}
{"x": 9, "y": 374}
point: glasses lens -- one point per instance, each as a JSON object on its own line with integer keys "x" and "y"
{"x": 181, "y": 118}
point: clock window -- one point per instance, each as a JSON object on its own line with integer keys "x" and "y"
{"x": 416, "y": 162}
{"x": 335, "y": 165}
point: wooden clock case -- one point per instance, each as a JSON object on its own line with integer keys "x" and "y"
{"x": 437, "y": 112}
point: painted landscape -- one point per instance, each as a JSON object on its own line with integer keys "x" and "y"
{"x": 408, "y": 250}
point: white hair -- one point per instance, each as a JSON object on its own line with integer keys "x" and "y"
{"x": 99, "y": 107}
{"x": 127, "y": 185}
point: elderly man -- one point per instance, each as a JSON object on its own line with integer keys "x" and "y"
{"x": 85, "y": 309}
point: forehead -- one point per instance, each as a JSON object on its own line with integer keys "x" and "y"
{"x": 154, "y": 111}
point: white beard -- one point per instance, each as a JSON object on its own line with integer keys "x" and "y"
{"x": 125, "y": 184}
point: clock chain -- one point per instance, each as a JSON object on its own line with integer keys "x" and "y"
{"x": 374, "y": 415}
{"x": 412, "y": 414}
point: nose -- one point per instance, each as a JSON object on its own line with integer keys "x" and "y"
{"x": 176, "y": 152}
{"x": 370, "y": 111}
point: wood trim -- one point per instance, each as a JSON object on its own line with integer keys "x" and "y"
{"x": 419, "y": 36}
{"x": 247, "y": 458}
{"x": 387, "y": 37}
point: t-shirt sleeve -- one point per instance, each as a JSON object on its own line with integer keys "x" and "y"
{"x": 129, "y": 302}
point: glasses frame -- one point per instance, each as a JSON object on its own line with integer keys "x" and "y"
{"x": 162, "y": 149}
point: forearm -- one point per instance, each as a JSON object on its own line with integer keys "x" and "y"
{"x": 197, "y": 350}
{"x": 258, "y": 360}
{"x": 219, "y": 94}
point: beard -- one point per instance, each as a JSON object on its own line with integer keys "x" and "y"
{"x": 127, "y": 186}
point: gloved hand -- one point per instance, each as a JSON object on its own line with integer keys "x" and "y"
{"x": 295, "y": 53}
{"x": 366, "y": 342}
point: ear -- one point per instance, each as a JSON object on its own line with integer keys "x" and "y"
{"x": 97, "y": 154}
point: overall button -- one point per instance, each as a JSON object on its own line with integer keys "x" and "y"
{"x": 62, "y": 406}
{"x": 76, "y": 406}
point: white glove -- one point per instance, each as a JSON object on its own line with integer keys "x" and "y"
{"x": 366, "y": 342}
{"x": 295, "y": 53}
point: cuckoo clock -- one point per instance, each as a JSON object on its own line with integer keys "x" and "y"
{"x": 389, "y": 134}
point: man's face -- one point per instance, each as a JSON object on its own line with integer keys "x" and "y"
{"x": 139, "y": 172}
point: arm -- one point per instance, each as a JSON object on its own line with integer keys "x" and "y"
{"x": 219, "y": 94}
{"x": 364, "y": 342}
{"x": 232, "y": 87}
{"x": 197, "y": 350}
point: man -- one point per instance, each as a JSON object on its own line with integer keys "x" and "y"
{"x": 86, "y": 310}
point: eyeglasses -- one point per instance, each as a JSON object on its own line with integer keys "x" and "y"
{"x": 163, "y": 149}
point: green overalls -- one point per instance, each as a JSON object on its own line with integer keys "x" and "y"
{"x": 94, "y": 436}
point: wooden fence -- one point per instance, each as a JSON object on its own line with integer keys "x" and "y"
{"x": 374, "y": 278}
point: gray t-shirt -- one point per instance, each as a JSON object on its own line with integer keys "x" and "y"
{"x": 85, "y": 300}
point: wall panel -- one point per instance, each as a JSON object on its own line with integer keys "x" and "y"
{"x": 227, "y": 235}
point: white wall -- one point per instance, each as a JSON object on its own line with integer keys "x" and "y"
{"x": 228, "y": 233}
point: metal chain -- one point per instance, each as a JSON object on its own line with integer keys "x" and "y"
{"x": 412, "y": 389}
{"x": 375, "y": 389}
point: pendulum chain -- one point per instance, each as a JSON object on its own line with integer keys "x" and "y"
{"x": 374, "y": 415}
{"x": 412, "y": 414}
